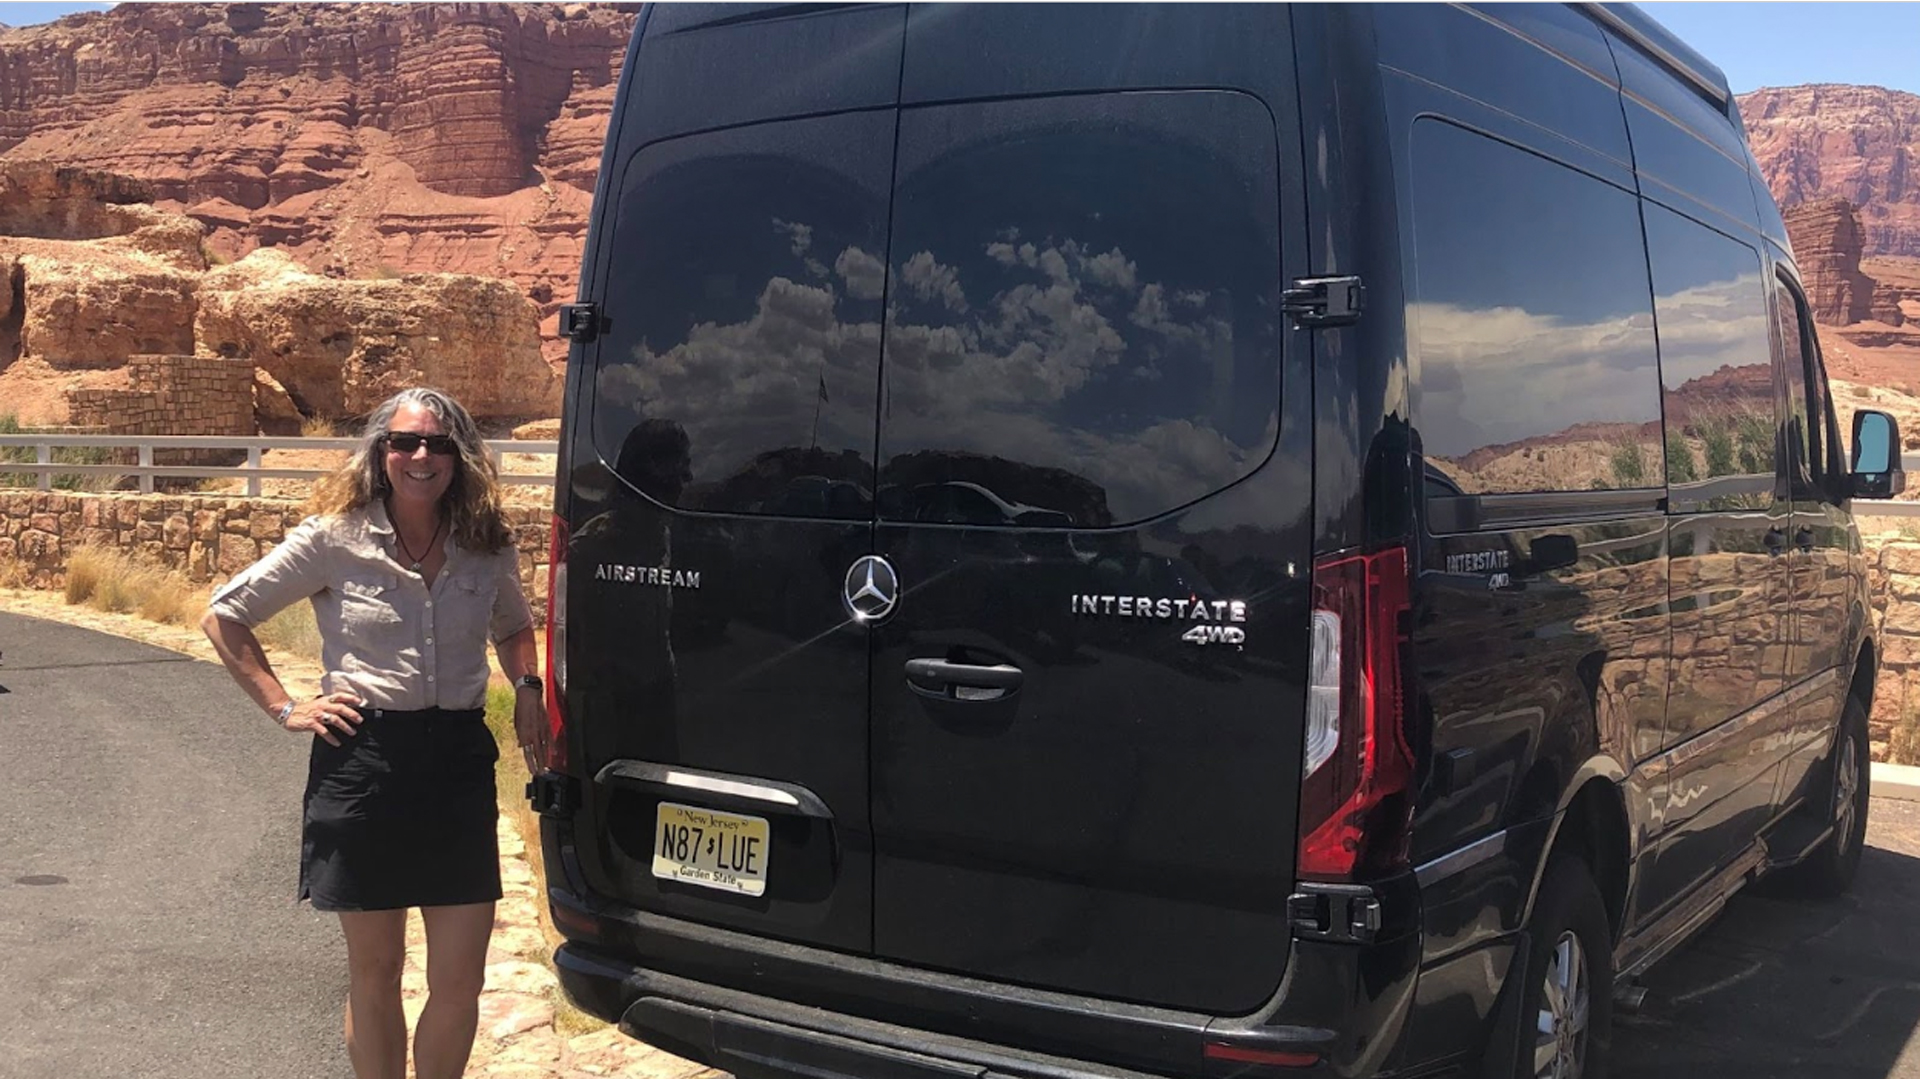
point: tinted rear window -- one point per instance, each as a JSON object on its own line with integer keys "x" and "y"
{"x": 1532, "y": 322}
{"x": 741, "y": 363}
{"x": 1083, "y": 308}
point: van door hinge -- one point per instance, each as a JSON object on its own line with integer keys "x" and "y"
{"x": 1324, "y": 301}
{"x": 580, "y": 322}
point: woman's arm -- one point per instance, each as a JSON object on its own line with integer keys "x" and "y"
{"x": 520, "y": 655}
{"x": 247, "y": 662}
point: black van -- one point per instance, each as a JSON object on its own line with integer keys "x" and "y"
{"x": 1190, "y": 540}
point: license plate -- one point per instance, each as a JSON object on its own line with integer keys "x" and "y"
{"x": 712, "y": 849}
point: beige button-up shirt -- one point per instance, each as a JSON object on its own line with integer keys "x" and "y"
{"x": 384, "y": 633}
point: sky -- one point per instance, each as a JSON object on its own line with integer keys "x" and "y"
{"x": 1786, "y": 44}
{"x": 25, "y": 13}
{"x": 1756, "y": 44}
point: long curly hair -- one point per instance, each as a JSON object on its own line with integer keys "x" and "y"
{"x": 472, "y": 502}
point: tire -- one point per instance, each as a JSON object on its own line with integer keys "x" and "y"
{"x": 1844, "y": 794}
{"x": 1568, "y": 935}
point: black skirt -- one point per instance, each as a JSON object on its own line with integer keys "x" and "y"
{"x": 402, "y": 814}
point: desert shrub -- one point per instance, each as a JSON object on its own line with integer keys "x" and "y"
{"x": 1681, "y": 467}
{"x": 66, "y": 455}
{"x": 1629, "y": 464}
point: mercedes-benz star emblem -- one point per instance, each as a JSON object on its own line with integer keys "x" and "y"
{"x": 872, "y": 589}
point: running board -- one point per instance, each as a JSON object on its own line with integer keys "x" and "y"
{"x": 1647, "y": 948}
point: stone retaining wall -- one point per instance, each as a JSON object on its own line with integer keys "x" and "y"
{"x": 1896, "y": 590}
{"x": 208, "y": 538}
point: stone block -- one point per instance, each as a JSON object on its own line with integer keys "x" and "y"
{"x": 236, "y": 554}
{"x": 178, "y": 532}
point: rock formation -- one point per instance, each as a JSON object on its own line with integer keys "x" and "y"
{"x": 370, "y": 140}
{"x": 1852, "y": 142}
{"x": 1826, "y": 247}
{"x": 99, "y": 277}
{"x": 341, "y": 347}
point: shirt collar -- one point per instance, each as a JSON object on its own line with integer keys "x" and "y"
{"x": 377, "y": 521}
{"x": 379, "y": 525}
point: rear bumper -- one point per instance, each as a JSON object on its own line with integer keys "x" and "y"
{"x": 751, "y": 1035}
{"x": 761, "y": 1007}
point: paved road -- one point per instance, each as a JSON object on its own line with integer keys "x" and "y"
{"x": 1782, "y": 987}
{"x": 149, "y": 838}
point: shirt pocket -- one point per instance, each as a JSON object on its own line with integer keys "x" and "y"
{"x": 469, "y": 602}
{"x": 369, "y": 604}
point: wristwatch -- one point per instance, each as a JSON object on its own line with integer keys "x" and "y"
{"x": 530, "y": 682}
{"x": 280, "y": 715}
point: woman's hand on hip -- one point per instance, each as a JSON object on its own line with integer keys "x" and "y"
{"x": 327, "y": 716}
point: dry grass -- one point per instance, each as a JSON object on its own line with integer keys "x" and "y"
{"x": 318, "y": 427}
{"x": 13, "y": 572}
{"x": 121, "y": 582}
{"x": 292, "y": 630}
{"x": 1903, "y": 742}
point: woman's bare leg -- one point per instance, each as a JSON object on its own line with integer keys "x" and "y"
{"x": 457, "y": 937}
{"x": 376, "y": 1028}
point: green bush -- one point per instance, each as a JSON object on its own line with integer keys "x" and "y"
{"x": 1629, "y": 465}
{"x": 65, "y": 455}
{"x": 1681, "y": 468}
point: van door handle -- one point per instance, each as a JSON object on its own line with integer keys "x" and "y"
{"x": 965, "y": 682}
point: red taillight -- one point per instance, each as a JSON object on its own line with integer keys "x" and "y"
{"x": 1253, "y": 1055}
{"x": 1356, "y": 799}
{"x": 557, "y": 649}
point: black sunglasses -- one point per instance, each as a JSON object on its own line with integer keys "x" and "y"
{"x": 406, "y": 442}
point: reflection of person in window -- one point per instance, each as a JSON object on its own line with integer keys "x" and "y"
{"x": 630, "y": 652}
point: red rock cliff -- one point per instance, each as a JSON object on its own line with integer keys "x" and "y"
{"x": 1826, "y": 247}
{"x": 370, "y": 140}
{"x": 1858, "y": 143}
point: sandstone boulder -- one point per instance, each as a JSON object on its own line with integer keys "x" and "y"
{"x": 95, "y": 315}
{"x": 340, "y": 347}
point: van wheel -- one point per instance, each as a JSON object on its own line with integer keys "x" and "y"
{"x": 1566, "y": 1019}
{"x": 1844, "y": 796}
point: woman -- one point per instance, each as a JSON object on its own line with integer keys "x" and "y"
{"x": 409, "y": 566}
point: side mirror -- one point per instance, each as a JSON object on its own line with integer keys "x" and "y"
{"x": 1551, "y": 552}
{"x": 1876, "y": 456}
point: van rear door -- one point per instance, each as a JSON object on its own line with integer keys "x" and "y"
{"x": 1085, "y": 752}
{"x": 719, "y": 690}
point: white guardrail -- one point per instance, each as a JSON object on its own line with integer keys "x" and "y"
{"x": 1893, "y": 507}
{"x": 45, "y": 468}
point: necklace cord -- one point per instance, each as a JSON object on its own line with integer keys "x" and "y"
{"x": 399, "y": 536}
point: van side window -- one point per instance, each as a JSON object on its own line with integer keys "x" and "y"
{"x": 1082, "y": 313}
{"x": 1806, "y": 436}
{"x": 1531, "y": 320}
{"x": 1716, "y": 365}
{"x": 1811, "y": 429}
